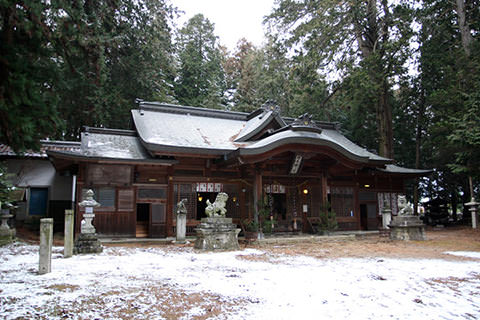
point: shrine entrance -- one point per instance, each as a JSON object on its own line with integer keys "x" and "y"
{"x": 143, "y": 217}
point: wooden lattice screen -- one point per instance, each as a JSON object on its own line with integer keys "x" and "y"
{"x": 186, "y": 191}
{"x": 342, "y": 201}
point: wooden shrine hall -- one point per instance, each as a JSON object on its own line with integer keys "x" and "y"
{"x": 297, "y": 166}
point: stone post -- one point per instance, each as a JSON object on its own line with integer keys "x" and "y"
{"x": 386, "y": 215}
{"x": 68, "y": 234}
{"x": 474, "y": 210}
{"x": 46, "y": 240}
{"x": 181, "y": 222}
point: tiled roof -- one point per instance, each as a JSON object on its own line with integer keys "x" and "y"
{"x": 108, "y": 144}
{"x": 177, "y": 129}
{"x": 46, "y": 145}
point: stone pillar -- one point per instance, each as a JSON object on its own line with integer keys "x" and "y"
{"x": 46, "y": 240}
{"x": 181, "y": 227}
{"x": 474, "y": 210}
{"x": 68, "y": 234}
{"x": 386, "y": 215}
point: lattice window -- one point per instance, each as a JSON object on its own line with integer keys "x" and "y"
{"x": 158, "y": 213}
{"x": 342, "y": 201}
{"x": 104, "y": 196}
{"x": 186, "y": 191}
{"x": 391, "y": 198}
{"x": 152, "y": 193}
{"x": 233, "y": 203}
{"x": 125, "y": 200}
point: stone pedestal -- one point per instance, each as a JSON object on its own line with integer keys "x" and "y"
{"x": 407, "y": 227}
{"x": 46, "y": 241}
{"x": 87, "y": 243}
{"x": 181, "y": 228}
{"x": 7, "y": 234}
{"x": 217, "y": 233}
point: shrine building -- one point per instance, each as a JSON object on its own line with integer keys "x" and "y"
{"x": 296, "y": 166}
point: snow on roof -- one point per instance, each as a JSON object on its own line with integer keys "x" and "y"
{"x": 391, "y": 168}
{"x": 171, "y": 128}
{"x": 169, "y": 131}
{"x": 101, "y": 143}
{"x": 327, "y": 137}
{"x": 97, "y": 144}
{"x": 46, "y": 145}
{"x": 257, "y": 123}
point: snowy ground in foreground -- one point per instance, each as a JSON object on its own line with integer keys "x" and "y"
{"x": 249, "y": 284}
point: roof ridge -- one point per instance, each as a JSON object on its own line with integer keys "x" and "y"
{"x": 121, "y": 132}
{"x": 197, "y": 111}
{"x": 60, "y": 142}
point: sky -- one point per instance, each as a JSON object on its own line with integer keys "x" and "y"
{"x": 233, "y": 19}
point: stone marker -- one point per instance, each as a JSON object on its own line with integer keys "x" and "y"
{"x": 68, "y": 234}
{"x": 217, "y": 232}
{"x": 474, "y": 210}
{"x": 181, "y": 222}
{"x": 406, "y": 226}
{"x": 46, "y": 240}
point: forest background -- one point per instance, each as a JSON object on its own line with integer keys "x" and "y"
{"x": 401, "y": 77}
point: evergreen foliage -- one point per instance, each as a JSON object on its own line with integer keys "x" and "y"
{"x": 201, "y": 80}
{"x": 397, "y": 75}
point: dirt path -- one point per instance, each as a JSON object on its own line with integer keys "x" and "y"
{"x": 438, "y": 241}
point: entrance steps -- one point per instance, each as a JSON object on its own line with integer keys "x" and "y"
{"x": 141, "y": 230}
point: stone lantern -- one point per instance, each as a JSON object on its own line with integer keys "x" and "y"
{"x": 7, "y": 234}
{"x": 87, "y": 240}
{"x": 474, "y": 210}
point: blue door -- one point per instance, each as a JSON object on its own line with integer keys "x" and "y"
{"x": 38, "y": 201}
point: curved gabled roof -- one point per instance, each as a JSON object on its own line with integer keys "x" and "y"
{"x": 177, "y": 129}
{"x": 327, "y": 138}
{"x": 256, "y": 124}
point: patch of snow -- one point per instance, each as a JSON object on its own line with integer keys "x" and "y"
{"x": 468, "y": 254}
{"x": 271, "y": 286}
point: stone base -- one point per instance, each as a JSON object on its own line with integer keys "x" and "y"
{"x": 87, "y": 243}
{"x": 407, "y": 228}
{"x": 7, "y": 236}
{"x": 217, "y": 234}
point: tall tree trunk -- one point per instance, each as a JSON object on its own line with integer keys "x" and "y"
{"x": 384, "y": 121}
{"x": 368, "y": 40}
{"x": 467, "y": 38}
{"x": 418, "y": 144}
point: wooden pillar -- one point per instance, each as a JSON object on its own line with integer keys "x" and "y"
{"x": 357, "y": 214}
{"x": 324, "y": 189}
{"x": 257, "y": 192}
{"x": 170, "y": 203}
{"x": 242, "y": 200}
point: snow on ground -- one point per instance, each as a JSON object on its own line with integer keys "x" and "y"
{"x": 468, "y": 254}
{"x": 155, "y": 283}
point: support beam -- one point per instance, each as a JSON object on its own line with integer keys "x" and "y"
{"x": 257, "y": 192}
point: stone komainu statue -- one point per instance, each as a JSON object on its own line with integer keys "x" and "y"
{"x": 404, "y": 208}
{"x": 217, "y": 209}
{"x": 181, "y": 208}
